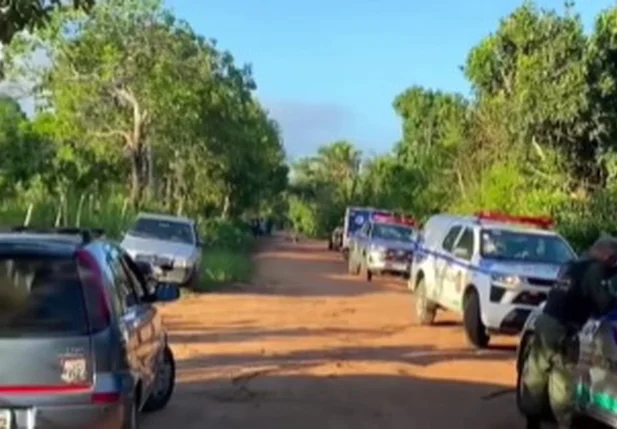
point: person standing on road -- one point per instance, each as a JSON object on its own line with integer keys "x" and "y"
{"x": 580, "y": 292}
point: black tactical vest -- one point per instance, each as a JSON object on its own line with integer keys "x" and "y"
{"x": 568, "y": 301}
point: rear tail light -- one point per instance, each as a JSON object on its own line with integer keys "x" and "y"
{"x": 45, "y": 390}
{"x": 100, "y": 398}
{"x": 95, "y": 281}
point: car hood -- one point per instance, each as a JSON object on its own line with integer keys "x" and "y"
{"x": 523, "y": 269}
{"x": 150, "y": 246}
{"x": 394, "y": 244}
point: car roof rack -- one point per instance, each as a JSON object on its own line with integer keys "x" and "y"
{"x": 87, "y": 234}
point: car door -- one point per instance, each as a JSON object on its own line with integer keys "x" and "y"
{"x": 456, "y": 271}
{"x": 132, "y": 319}
{"x": 355, "y": 244}
{"x": 442, "y": 261}
{"x": 151, "y": 333}
{"x": 596, "y": 375}
{"x": 365, "y": 241}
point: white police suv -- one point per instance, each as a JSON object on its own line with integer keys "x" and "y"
{"x": 493, "y": 268}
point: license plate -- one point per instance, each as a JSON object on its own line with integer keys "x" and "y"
{"x": 5, "y": 419}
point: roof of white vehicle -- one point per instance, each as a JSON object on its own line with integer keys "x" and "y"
{"x": 170, "y": 218}
{"x": 491, "y": 224}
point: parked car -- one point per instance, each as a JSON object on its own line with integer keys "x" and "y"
{"x": 336, "y": 239}
{"x": 170, "y": 243}
{"x": 355, "y": 218}
{"x": 596, "y": 369}
{"x": 81, "y": 342}
{"x": 385, "y": 244}
{"x": 492, "y": 268}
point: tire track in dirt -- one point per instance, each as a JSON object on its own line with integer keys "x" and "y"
{"x": 306, "y": 345}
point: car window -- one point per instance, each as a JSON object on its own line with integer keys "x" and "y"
{"x": 393, "y": 232}
{"x": 162, "y": 229}
{"x": 122, "y": 287}
{"x": 40, "y": 295}
{"x": 524, "y": 246}
{"x": 137, "y": 282}
{"x": 450, "y": 238}
{"x": 466, "y": 243}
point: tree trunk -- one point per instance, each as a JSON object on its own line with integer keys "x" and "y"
{"x": 226, "y": 206}
{"x": 136, "y": 179}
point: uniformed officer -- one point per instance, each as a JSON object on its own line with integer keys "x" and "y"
{"x": 580, "y": 293}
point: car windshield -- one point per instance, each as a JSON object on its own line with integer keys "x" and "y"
{"x": 40, "y": 295}
{"x": 522, "y": 246}
{"x": 393, "y": 232}
{"x": 165, "y": 230}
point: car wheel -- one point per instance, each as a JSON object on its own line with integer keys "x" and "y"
{"x": 472, "y": 321}
{"x": 330, "y": 245}
{"x": 426, "y": 311}
{"x": 164, "y": 383}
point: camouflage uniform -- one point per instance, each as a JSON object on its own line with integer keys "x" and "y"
{"x": 548, "y": 370}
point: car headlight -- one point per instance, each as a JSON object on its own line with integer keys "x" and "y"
{"x": 183, "y": 263}
{"x": 506, "y": 280}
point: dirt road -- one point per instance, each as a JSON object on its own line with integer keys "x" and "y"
{"x": 308, "y": 346}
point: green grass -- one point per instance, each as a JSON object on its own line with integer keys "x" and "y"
{"x": 221, "y": 267}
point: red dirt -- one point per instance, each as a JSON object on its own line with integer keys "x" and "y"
{"x": 308, "y": 346}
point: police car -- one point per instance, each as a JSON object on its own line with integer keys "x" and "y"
{"x": 493, "y": 268}
{"x": 385, "y": 244}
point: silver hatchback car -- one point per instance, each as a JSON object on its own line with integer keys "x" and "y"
{"x": 81, "y": 343}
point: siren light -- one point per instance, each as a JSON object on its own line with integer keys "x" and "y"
{"x": 538, "y": 221}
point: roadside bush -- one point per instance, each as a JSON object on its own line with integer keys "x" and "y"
{"x": 226, "y": 254}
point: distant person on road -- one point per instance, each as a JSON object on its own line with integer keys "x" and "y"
{"x": 580, "y": 292}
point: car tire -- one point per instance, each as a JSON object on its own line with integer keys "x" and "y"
{"x": 472, "y": 321}
{"x": 545, "y": 415}
{"x": 164, "y": 388}
{"x": 426, "y": 310}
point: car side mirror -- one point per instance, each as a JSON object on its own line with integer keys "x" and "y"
{"x": 460, "y": 252}
{"x": 166, "y": 292}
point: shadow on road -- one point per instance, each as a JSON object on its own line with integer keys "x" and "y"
{"x": 196, "y": 334}
{"x": 423, "y": 355}
{"x": 277, "y": 401}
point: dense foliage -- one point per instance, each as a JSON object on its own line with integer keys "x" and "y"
{"x": 134, "y": 104}
{"x": 134, "y": 111}
{"x": 538, "y": 136}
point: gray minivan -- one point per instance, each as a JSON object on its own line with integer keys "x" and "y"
{"x": 81, "y": 343}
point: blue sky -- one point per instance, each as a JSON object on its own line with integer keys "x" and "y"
{"x": 329, "y": 69}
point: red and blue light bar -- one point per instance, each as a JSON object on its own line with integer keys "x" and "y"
{"x": 537, "y": 221}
